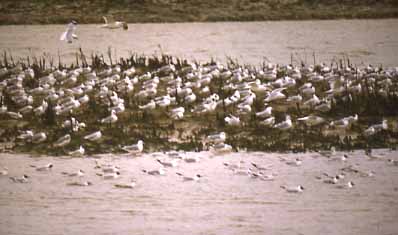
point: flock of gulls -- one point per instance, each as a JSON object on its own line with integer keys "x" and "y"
{"x": 67, "y": 109}
{"x": 72, "y": 109}
{"x": 173, "y": 161}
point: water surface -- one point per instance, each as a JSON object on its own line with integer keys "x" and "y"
{"x": 364, "y": 41}
{"x": 221, "y": 203}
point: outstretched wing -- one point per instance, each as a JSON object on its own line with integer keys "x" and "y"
{"x": 63, "y": 36}
{"x": 106, "y": 21}
{"x": 110, "y": 20}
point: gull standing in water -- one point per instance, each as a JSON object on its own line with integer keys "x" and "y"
{"x": 111, "y": 24}
{"x": 69, "y": 34}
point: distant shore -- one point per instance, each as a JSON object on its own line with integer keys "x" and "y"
{"x": 143, "y": 11}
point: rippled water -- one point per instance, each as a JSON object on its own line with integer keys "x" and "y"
{"x": 367, "y": 41}
{"x": 221, "y": 203}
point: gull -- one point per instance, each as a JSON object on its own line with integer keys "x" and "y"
{"x": 4, "y": 171}
{"x": 47, "y": 167}
{"x": 333, "y": 180}
{"x": 268, "y": 122}
{"x": 149, "y": 106}
{"x": 373, "y": 129}
{"x": 93, "y": 136}
{"x": 265, "y": 113}
{"x": 130, "y": 185}
{"x": 78, "y": 152}
{"x": 260, "y": 168}
{"x": 14, "y": 115}
{"x": 372, "y": 156}
{"x": 62, "y": 141}
{"x": 285, "y": 125}
{"x": 296, "y": 162}
{"x": 23, "y": 179}
{"x": 392, "y": 161}
{"x": 349, "y": 185}
{"x": 232, "y": 120}
{"x": 189, "y": 178}
{"x": 217, "y": 138}
{"x": 177, "y": 113}
{"x": 312, "y": 120}
{"x": 69, "y": 35}
{"x": 110, "y": 24}
{"x": 39, "y": 137}
{"x": 79, "y": 173}
{"x": 135, "y": 148}
{"x": 172, "y": 163}
{"x": 233, "y": 166}
{"x": 275, "y": 95}
{"x": 110, "y": 169}
{"x": 192, "y": 159}
{"x": 294, "y": 99}
{"x": 160, "y": 171}
{"x": 328, "y": 153}
{"x": 222, "y": 148}
{"x": 80, "y": 183}
{"x": 342, "y": 158}
{"x": 110, "y": 119}
{"x": 113, "y": 175}
{"x": 293, "y": 189}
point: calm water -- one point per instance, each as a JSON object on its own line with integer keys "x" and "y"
{"x": 221, "y": 203}
{"x": 367, "y": 41}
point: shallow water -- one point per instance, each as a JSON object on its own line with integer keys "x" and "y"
{"x": 221, "y": 203}
{"x": 364, "y": 41}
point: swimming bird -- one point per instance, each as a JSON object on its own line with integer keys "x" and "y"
{"x": 23, "y": 179}
{"x": 349, "y": 185}
{"x": 79, "y": 173}
{"x": 260, "y": 168}
{"x": 296, "y": 162}
{"x": 342, "y": 158}
{"x": 130, "y": 185}
{"x": 113, "y": 175}
{"x": 159, "y": 171}
{"x": 191, "y": 159}
{"x": 333, "y": 180}
{"x": 110, "y": 169}
{"x": 4, "y": 171}
{"x": 393, "y": 162}
{"x": 172, "y": 163}
{"x": 80, "y": 183}
{"x": 111, "y": 24}
{"x": 293, "y": 189}
{"x": 69, "y": 34}
{"x": 47, "y": 167}
{"x": 135, "y": 148}
{"x": 189, "y": 178}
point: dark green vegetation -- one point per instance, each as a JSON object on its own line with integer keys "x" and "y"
{"x": 132, "y": 11}
{"x": 377, "y": 100}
